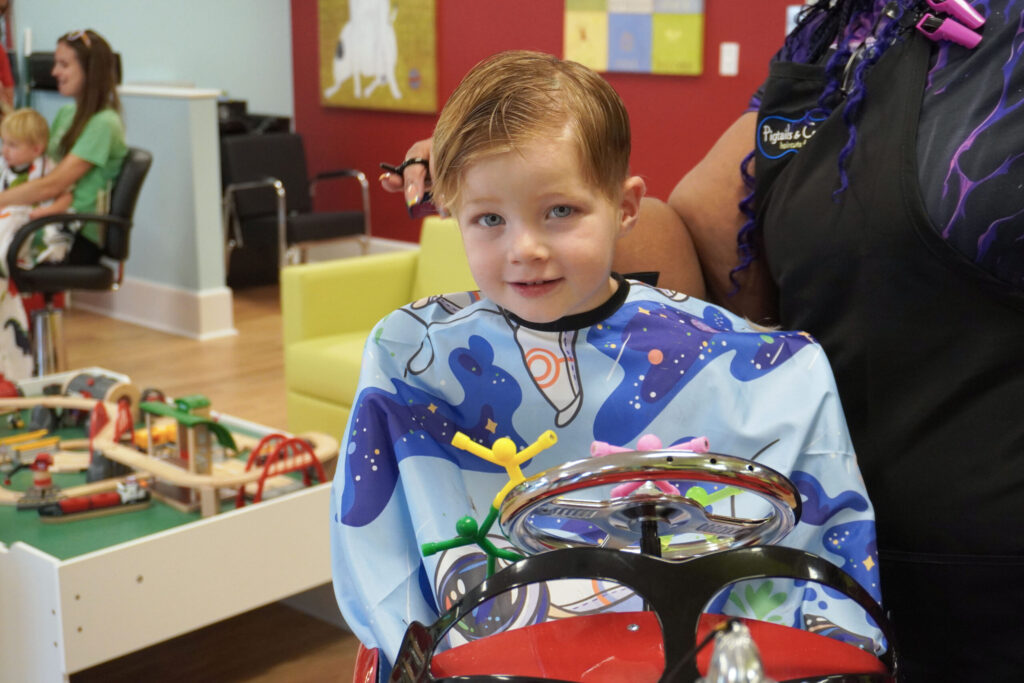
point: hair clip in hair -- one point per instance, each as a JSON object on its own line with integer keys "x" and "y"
{"x": 959, "y": 10}
{"x": 82, "y": 35}
{"x": 948, "y": 29}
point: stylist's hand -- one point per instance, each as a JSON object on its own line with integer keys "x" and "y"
{"x": 413, "y": 182}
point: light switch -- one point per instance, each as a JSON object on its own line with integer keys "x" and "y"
{"x": 729, "y": 59}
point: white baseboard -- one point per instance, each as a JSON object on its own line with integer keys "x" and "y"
{"x": 200, "y": 315}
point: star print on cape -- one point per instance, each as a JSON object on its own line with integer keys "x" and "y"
{"x": 417, "y": 422}
{"x": 661, "y": 349}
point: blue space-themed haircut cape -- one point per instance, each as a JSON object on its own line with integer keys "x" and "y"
{"x": 649, "y": 361}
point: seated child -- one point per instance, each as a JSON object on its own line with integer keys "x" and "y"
{"x": 531, "y": 156}
{"x": 25, "y": 134}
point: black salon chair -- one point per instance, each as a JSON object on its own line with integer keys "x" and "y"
{"x": 268, "y": 207}
{"x": 49, "y": 279}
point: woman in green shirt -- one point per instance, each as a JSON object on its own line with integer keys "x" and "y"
{"x": 86, "y": 136}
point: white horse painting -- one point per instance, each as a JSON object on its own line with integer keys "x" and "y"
{"x": 367, "y": 47}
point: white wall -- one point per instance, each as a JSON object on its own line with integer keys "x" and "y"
{"x": 174, "y": 278}
{"x": 242, "y": 47}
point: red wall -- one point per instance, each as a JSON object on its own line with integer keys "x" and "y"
{"x": 675, "y": 119}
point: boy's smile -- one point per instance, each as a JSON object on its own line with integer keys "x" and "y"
{"x": 538, "y": 234}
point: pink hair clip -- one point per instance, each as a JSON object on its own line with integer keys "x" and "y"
{"x": 959, "y": 10}
{"x": 948, "y": 29}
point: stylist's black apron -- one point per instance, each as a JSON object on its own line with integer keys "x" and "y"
{"x": 928, "y": 353}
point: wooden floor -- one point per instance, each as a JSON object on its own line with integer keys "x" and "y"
{"x": 242, "y": 375}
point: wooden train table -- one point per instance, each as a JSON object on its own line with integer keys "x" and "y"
{"x": 93, "y": 587}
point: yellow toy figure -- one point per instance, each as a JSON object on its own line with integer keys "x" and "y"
{"x": 504, "y": 454}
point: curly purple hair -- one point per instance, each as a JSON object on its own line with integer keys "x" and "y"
{"x": 846, "y": 25}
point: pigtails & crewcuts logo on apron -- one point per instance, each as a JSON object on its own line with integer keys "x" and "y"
{"x": 778, "y": 136}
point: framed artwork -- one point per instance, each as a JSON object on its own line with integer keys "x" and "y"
{"x": 378, "y": 54}
{"x": 637, "y": 36}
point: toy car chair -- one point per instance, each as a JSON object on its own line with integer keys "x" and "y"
{"x": 669, "y": 641}
{"x": 49, "y": 279}
{"x": 268, "y": 207}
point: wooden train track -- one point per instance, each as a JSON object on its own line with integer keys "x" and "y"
{"x": 224, "y": 475}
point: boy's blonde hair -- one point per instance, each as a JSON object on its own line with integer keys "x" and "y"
{"x": 26, "y": 125}
{"x": 517, "y": 97}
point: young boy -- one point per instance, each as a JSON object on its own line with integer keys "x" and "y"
{"x": 531, "y": 155}
{"x": 25, "y": 134}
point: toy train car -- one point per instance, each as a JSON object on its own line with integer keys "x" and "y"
{"x": 128, "y": 496}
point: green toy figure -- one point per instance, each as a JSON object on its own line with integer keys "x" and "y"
{"x": 502, "y": 453}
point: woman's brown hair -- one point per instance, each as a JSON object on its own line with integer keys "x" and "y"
{"x": 100, "y": 89}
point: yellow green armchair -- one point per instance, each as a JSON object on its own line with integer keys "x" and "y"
{"x": 329, "y": 309}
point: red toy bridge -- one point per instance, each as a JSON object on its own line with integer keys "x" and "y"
{"x": 278, "y": 454}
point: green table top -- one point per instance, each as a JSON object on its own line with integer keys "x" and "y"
{"x": 70, "y": 539}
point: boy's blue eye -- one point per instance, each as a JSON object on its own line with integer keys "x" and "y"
{"x": 490, "y": 220}
{"x": 561, "y": 212}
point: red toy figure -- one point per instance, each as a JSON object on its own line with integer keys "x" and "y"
{"x": 41, "y": 479}
{"x": 42, "y": 490}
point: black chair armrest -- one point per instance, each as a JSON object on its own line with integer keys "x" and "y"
{"x": 269, "y": 181}
{"x": 359, "y": 176}
{"x": 233, "y": 189}
{"x": 26, "y": 231}
{"x": 230, "y": 211}
{"x": 230, "y": 214}
{"x": 339, "y": 173}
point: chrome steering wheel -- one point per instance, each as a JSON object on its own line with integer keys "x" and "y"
{"x": 570, "y": 505}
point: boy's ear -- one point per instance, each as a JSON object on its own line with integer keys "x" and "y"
{"x": 633, "y": 190}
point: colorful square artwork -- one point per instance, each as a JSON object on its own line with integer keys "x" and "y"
{"x": 629, "y": 42}
{"x": 586, "y": 38}
{"x": 677, "y": 43}
{"x": 638, "y": 36}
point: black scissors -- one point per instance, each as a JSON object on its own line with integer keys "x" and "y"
{"x": 425, "y": 206}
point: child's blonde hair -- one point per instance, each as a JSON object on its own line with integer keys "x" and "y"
{"x": 517, "y": 97}
{"x": 26, "y": 125}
